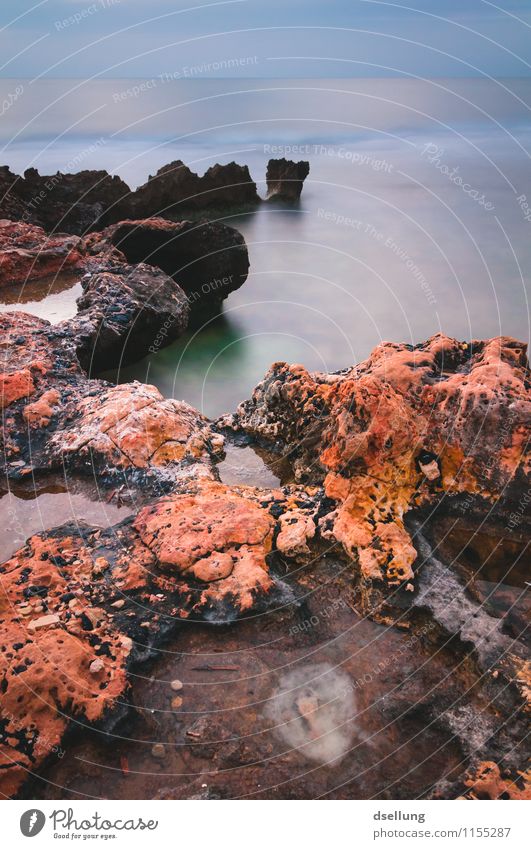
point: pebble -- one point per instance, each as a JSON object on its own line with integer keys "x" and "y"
{"x": 176, "y": 703}
{"x": 176, "y": 685}
{"x": 158, "y": 751}
{"x": 96, "y": 666}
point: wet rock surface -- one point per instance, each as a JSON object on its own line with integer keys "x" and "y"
{"x": 407, "y": 428}
{"x": 319, "y": 570}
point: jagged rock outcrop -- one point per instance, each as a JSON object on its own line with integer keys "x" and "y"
{"x": 285, "y": 178}
{"x": 11, "y": 204}
{"x": 175, "y": 188}
{"x": 408, "y": 428}
{"x": 90, "y": 200}
{"x": 71, "y": 203}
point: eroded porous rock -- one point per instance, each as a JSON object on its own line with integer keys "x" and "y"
{"x": 27, "y": 253}
{"x": 129, "y": 307}
{"x": 175, "y": 188}
{"x": 285, "y": 178}
{"x": 208, "y": 260}
{"x": 409, "y": 428}
{"x": 55, "y": 418}
{"x": 125, "y": 312}
{"x": 79, "y": 606}
{"x": 487, "y": 782}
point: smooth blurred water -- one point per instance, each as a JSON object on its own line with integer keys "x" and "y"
{"x": 385, "y": 244}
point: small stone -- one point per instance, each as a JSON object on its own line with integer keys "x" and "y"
{"x": 43, "y": 622}
{"x": 158, "y": 751}
{"x": 176, "y": 703}
{"x": 176, "y": 685}
{"x": 118, "y": 604}
{"x": 100, "y": 565}
{"x": 96, "y": 666}
{"x": 430, "y": 470}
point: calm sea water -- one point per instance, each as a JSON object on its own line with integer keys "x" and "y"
{"x": 413, "y": 219}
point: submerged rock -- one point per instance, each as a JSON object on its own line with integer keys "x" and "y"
{"x": 285, "y": 178}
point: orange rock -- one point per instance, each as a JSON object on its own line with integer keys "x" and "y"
{"x": 397, "y": 432}
{"x": 132, "y": 425}
{"x": 27, "y": 253}
{"x": 486, "y": 782}
{"x": 14, "y": 386}
{"x": 212, "y": 535}
{"x": 39, "y": 413}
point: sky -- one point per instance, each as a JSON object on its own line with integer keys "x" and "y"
{"x": 265, "y": 38}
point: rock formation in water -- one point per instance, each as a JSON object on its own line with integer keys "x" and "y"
{"x": 207, "y": 259}
{"x": 90, "y": 200}
{"x": 284, "y": 179}
{"x": 408, "y": 428}
{"x": 130, "y": 307}
{"x": 175, "y": 188}
{"x": 378, "y": 451}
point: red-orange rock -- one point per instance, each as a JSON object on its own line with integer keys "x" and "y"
{"x": 486, "y": 782}
{"x": 27, "y": 253}
{"x": 398, "y": 432}
{"x": 65, "y": 643}
{"x": 132, "y": 426}
{"x": 212, "y": 535}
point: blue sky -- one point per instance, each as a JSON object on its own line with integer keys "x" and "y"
{"x": 287, "y": 38}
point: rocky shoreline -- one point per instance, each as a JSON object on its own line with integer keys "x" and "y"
{"x": 91, "y": 200}
{"x": 382, "y": 455}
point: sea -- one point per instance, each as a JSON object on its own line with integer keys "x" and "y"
{"x": 415, "y": 218}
